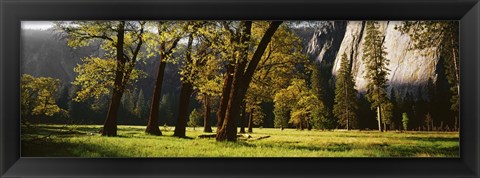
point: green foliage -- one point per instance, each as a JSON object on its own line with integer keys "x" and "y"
{"x": 405, "y": 121}
{"x": 376, "y": 65}
{"x": 96, "y": 78}
{"x": 38, "y": 96}
{"x": 162, "y": 37}
{"x": 387, "y": 113}
{"x": 86, "y": 33}
{"x": 257, "y": 113}
{"x": 282, "y": 115}
{"x": 274, "y": 72}
{"x": 195, "y": 119}
{"x": 299, "y": 102}
{"x": 121, "y": 42}
{"x": 321, "y": 120}
{"x": 345, "y": 96}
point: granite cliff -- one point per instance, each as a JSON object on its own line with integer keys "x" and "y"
{"x": 409, "y": 69}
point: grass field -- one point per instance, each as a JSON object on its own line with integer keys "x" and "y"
{"x": 84, "y": 141}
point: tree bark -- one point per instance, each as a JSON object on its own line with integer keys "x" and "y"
{"x": 185, "y": 94}
{"x": 152, "y": 125}
{"x": 379, "y": 118}
{"x": 227, "y": 85}
{"x": 110, "y": 125}
{"x": 228, "y": 131}
{"x": 206, "y": 116}
{"x": 454, "y": 55}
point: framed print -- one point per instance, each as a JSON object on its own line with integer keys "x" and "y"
{"x": 239, "y": 88}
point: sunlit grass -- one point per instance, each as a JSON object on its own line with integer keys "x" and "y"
{"x": 84, "y": 141}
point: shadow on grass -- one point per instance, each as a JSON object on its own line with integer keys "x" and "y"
{"x": 66, "y": 149}
{"x": 184, "y": 137}
{"x": 413, "y": 151}
{"x": 433, "y": 139}
{"x": 239, "y": 143}
{"x": 409, "y": 150}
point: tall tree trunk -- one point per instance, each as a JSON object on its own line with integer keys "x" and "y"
{"x": 228, "y": 130}
{"x": 206, "y": 116}
{"x": 250, "y": 121}
{"x": 242, "y": 119}
{"x": 185, "y": 94}
{"x": 456, "y": 123}
{"x": 454, "y": 55}
{"x": 152, "y": 125}
{"x": 379, "y": 118}
{"x": 227, "y": 85}
{"x": 242, "y": 80}
{"x": 110, "y": 125}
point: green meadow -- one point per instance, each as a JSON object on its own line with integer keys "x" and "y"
{"x": 85, "y": 141}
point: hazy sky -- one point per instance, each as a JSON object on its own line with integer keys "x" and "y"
{"x": 37, "y": 24}
{"x": 42, "y": 25}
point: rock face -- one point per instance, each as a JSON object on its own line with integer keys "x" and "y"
{"x": 409, "y": 69}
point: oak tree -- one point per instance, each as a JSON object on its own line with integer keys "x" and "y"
{"x": 121, "y": 41}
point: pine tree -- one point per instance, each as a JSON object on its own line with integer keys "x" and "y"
{"x": 322, "y": 117}
{"x": 376, "y": 70}
{"x": 396, "y": 114}
{"x": 345, "y": 95}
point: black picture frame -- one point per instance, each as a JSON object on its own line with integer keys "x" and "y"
{"x": 14, "y": 11}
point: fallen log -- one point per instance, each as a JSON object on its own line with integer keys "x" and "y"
{"x": 207, "y": 136}
{"x": 247, "y": 136}
{"x": 259, "y": 138}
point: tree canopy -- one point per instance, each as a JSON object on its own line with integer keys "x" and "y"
{"x": 38, "y": 96}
